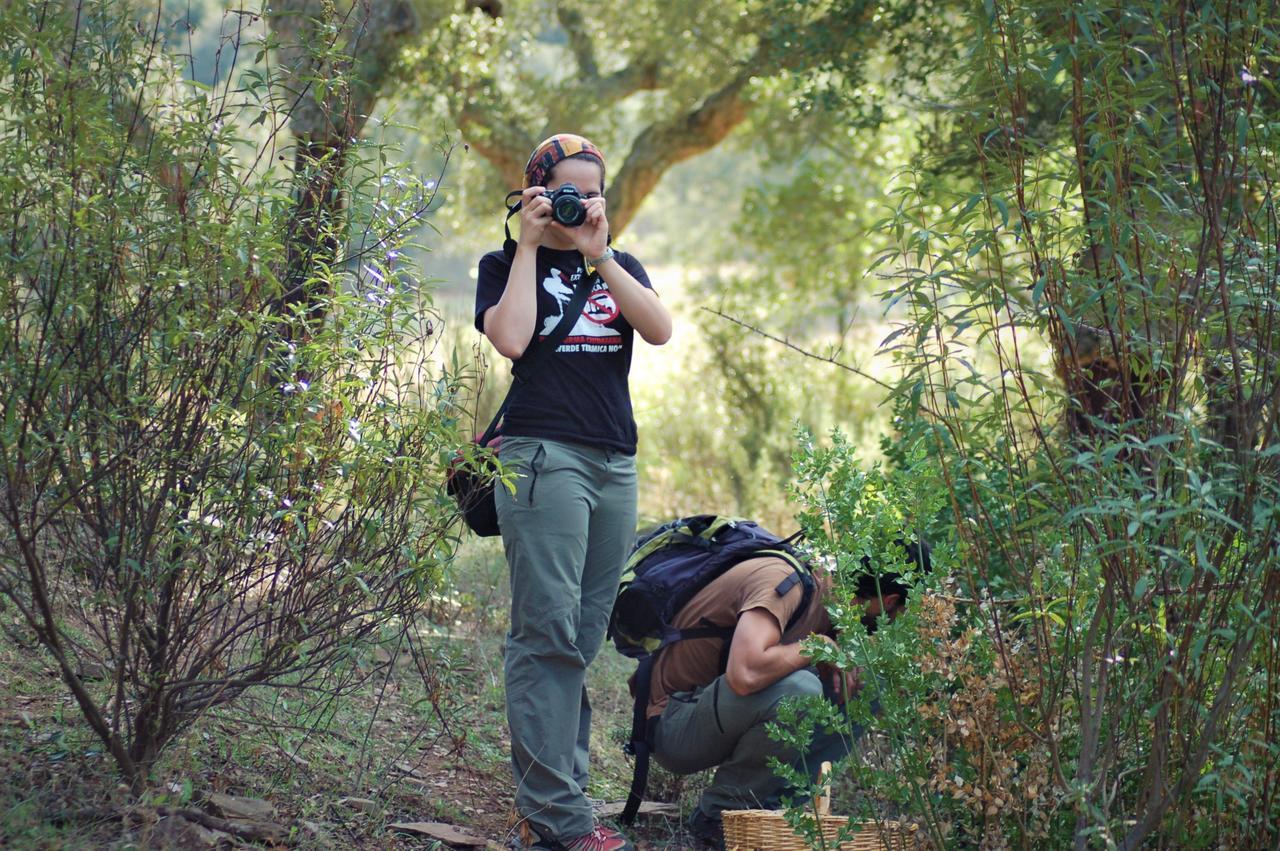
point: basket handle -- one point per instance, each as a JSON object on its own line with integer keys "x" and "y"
{"x": 824, "y": 790}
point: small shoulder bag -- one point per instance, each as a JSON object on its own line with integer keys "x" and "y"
{"x": 471, "y": 484}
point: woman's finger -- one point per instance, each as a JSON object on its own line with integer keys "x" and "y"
{"x": 538, "y": 208}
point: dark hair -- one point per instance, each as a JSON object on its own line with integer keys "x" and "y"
{"x": 581, "y": 155}
{"x": 872, "y": 585}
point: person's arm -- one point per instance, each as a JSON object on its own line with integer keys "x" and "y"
{"x": 639, "y": 304}
{"x": 756, "y": 658}
{"x": 509, "y": 324}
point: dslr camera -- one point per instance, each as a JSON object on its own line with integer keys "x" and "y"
{"x": 566, "y": 205}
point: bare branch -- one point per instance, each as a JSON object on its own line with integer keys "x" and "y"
{"x": 790, "y": 345}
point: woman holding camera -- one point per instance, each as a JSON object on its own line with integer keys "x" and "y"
{"x": 569, "y": 432}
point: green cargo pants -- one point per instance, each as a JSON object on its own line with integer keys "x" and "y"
{"x": 712, "y": 726}
{"x": 567, "y": 530}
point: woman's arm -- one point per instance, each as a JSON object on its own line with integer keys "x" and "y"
{"x": 509, "y": 324}
{"x": 639, "y": 304}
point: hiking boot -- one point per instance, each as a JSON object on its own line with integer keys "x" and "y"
{"x": 601, "y": 838}
{"x": 708, "y": 830}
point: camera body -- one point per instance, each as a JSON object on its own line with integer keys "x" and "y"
{"x": 566, "y": 205}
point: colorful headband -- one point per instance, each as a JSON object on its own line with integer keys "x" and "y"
{"x": 559, "y": 147}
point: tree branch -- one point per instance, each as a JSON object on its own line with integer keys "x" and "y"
{"x": 622, "y": 84}
{"x": 790, "y": 345}
{"x": 661, "y": 145}
{"x": 580, "y": 42}
{"x": 502, "y": 142}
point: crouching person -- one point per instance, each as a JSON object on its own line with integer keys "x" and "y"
{"x": 712, "y": 709}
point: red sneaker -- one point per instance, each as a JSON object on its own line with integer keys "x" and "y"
{"x": 601, "y": 838}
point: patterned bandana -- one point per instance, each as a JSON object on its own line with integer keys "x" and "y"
{"x": 559, "y": 147}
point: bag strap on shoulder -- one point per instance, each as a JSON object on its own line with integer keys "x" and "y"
{"x": 533, "y": 361}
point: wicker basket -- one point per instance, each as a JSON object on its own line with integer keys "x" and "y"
{"x": 767, "y": 830}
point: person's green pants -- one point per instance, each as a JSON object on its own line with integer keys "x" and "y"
{"x": 712, "y": 726}
{"x": 567, "y": 530}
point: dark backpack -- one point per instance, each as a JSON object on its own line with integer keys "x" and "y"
{"x": 666, "y": 569}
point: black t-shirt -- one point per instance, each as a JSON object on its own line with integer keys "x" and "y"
{"x": 580, "y": 395}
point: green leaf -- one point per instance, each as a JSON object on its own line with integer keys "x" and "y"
{"x": 1037, "y": 292}
{"x": 1004, "y": 210}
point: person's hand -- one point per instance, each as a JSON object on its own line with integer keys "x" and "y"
{"x": 535, "y": 215}
{"x": 843, "y": 684}
{"x": 592, "y": 236}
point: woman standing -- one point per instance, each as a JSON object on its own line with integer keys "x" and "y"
{"x": 570, "y": 433}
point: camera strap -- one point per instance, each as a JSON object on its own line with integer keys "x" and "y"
{"x": 509, "y": 244}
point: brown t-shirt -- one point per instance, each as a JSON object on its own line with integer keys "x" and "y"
{"x": 752, "y": 584}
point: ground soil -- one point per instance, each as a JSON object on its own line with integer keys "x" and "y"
{"x": 418, "y": 736}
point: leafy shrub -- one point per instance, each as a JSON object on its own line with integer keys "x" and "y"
{"x": 1114, "y": 506}
{"x": 208, "y": 488}
{"x": 1087, "y": 264}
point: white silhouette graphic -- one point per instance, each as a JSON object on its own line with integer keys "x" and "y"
{"x": 599, "y": 311}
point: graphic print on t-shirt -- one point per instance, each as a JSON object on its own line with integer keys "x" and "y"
{"x": 591, "y": 333}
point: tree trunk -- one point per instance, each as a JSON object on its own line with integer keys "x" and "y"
{"x": 325, "y": 128}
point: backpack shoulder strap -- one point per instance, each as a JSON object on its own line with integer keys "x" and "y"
{"x": 641, "y": 744}
{"x": 802, "y": 575}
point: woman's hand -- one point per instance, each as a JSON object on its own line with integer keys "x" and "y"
{"x": 592, "y": 236}
{"x": 535, "y": 215}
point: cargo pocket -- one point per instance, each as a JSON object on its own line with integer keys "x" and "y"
{"x": 551, "y": 468}
{"x": 524, "y": 455}
{"x": 535, "y": 467}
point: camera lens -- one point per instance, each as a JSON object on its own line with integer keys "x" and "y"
{"x": 566, "y": 206}
{"x": 569, "y": 212}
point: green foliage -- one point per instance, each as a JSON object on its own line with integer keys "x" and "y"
{"x": 855, "y": 520}
{"x": 211, "y": 485}
{"x": 740, "y": 398}
{"x": 1084, "y": 268}
{"x": 850, "y": 514}
{"x": 794, "y": 261}
{"x": 1089, "y": 311}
